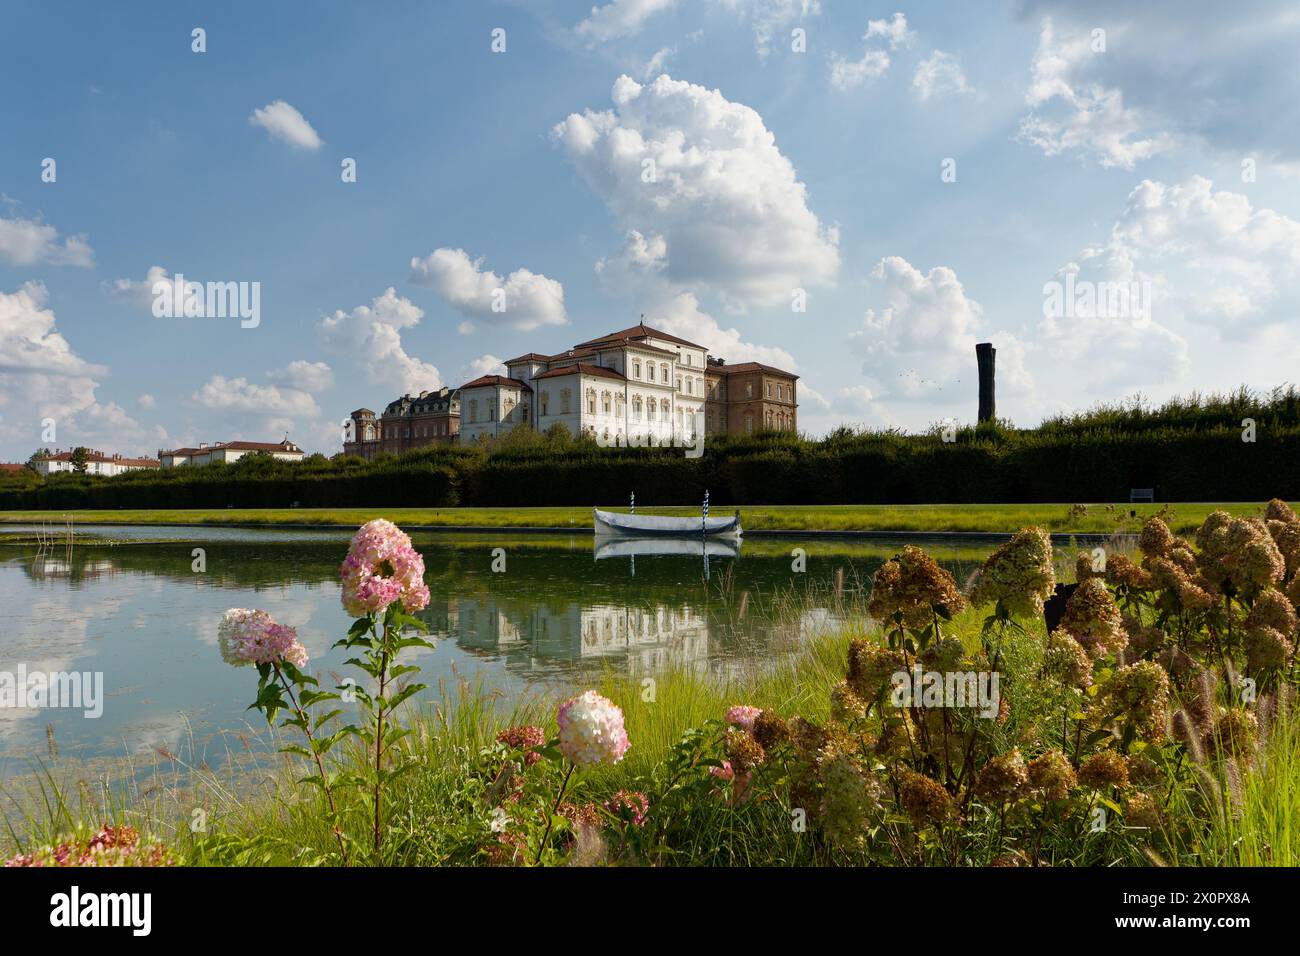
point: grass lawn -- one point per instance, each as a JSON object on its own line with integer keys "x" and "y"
{"x": 1098, "y": 518}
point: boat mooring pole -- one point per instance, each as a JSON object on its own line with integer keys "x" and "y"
{"x": 632, "y": 505}
{"x": 704, "y": 521}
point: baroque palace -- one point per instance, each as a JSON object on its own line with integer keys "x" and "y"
{"x": 637, "y": 386}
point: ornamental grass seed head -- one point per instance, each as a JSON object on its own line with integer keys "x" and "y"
{"x": 382, "y": 567}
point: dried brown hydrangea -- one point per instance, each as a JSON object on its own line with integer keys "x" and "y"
{"x": 1192, "y": 594}
{"x": 1234, "y": 734}
{"x": 807, "y": 738}
{"x": 912, "y": 587}
{"x": 846, "y": 706}
{"x": 1083, "y": 567}
{"x": 924, "y": 799}
{"x": 1272, "y": 609}
{"x": 1239, "y": 553}
{"x": 1140, "y": 693}
{"x": 1279, "y": 510}
{"x": 1143, "y": 771}
{"x": 770, "y": 729}
{"x": 1266, "y": 649}
{"x": 1051, "y": 776}
{"x": 1067, "y": 661}
{"x": 1002, "y": 777}
{"x": 1121, "y": 572}
{"x": 1093, "y": 619}
{"x": 1020, "y": 574}
{"x": 871, "y": 667}
{"x": 1140, "y": 810}
{"x": 946, "y": 655}
{"x": 744, "y": 752}
{"x": 1156, "y": 540}
{"x": 847, "y": 799}
{"x": 1105, "y": 769}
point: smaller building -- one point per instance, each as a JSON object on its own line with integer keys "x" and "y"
{"x": 408, "y": 423}
{"x": 491, "y": 405}
{"x": 7, "y": 468}
{"x": 228, "y": 452}
{"x": 97, "y": 463}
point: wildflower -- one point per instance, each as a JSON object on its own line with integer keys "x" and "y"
{"x": 524, "y": 738}
{"x": 253, "y": 637}
{"x": 1051, "y": 776}
{"x": 846, "y": 706}
{"x": 1105, "y": 769}
{"x": 743, "y": 717}
{"x": 723, "y": 773}
{"x": 1140, "y": 693}
{"x": 871, "y": 667}
{"x": 1002, "y": 777}
{"x": 108, "y": 846}
{"x": 382, "y": 567}
{"x": 591, "y": 730}
{"x": 924, "y": 799}
{"x": 1068, "y": 662}
{"x": 770, "y": 729}
{"x": 629, "y": 806}
{"x": 743, "y": 752}
{"x": 1019, "y": 575}
{"x": 1092, "y": 618}
{"x": 913, "y": 588}
{"x": 847, "y": 799}
{"x": 1140, "y": 810}
{"x": 507, "y": 848}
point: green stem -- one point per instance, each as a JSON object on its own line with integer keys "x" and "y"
{"x": 554, "y": 810}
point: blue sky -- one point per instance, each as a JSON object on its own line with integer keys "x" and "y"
{"x": 1162, "y": 157}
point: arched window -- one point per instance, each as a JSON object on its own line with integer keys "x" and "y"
{"x": 636, "y": 408}
{"x": 650, "y": 410}
{"x": 605, "y": 404}
{"x": 663, "y": 369}
{"x": 591, "y": 401}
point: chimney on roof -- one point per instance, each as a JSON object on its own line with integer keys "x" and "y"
{"x": 985, "y": 354}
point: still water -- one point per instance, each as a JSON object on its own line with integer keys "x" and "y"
{"x": 557, "y": 609}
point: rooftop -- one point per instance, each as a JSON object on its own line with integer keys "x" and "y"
{"x": 583, "y": 368}
{"x": 491, "y": 381}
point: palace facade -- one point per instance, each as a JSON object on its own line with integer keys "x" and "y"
{"x": 636, "y": 386}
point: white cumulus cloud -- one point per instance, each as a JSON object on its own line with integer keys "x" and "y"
{"x": 523, "y": 300}
{"x": 286, "y": 124}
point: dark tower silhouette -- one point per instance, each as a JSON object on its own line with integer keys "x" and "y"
{"x": 985, "y": 354}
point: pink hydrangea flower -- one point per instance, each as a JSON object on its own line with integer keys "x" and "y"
{"x": 743, "y": 716}
{"x": 591, "y": 730}
{"x": 382, "y": 567}
{"x": 723, "y": 773}
{"x": 253, "y": 637}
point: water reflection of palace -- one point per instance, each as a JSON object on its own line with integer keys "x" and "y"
{"x": 535, "y": 637}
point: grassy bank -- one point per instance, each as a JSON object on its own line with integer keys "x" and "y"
{"x": 1064, "y": 518}
{"x": 1225, "y": 814}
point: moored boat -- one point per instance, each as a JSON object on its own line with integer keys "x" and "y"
{"x": 642, "y": 526}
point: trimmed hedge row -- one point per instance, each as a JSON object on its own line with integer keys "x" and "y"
{"x": 984, "y": 465}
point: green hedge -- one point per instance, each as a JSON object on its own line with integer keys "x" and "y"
{"x": 1199, "y": 456}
